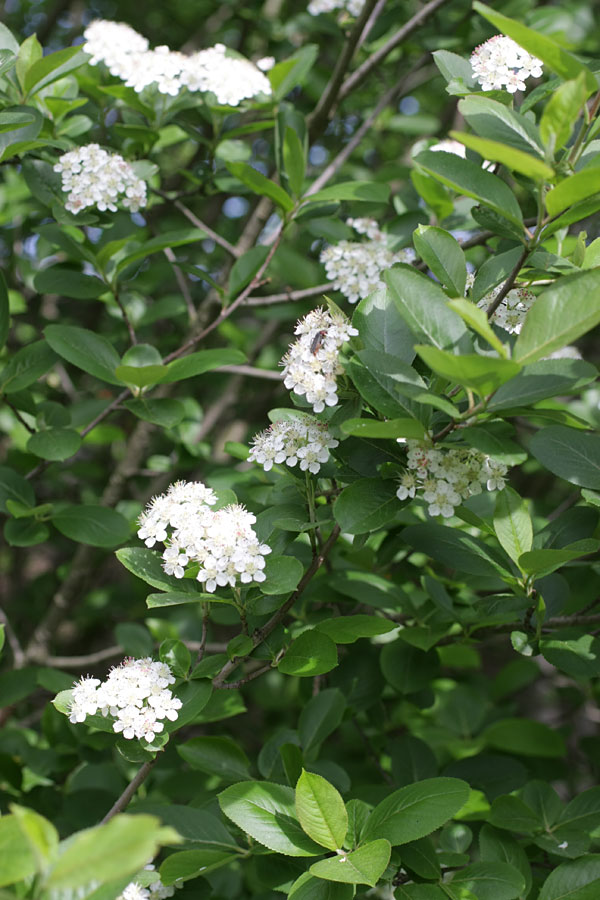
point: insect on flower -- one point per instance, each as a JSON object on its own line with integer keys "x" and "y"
{"x": 317, "y": 341}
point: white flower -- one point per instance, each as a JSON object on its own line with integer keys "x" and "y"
{"x": 84, "y": 699}
{"x": 127, "y": 55}
{"x": 305, "y": 439}
{"x": 311, "y": 364}
{"x": 93, "y": 177}
{"x": 501, "y": 64}
{"x": 355, "y": 268}
{"x": 266, "y": 63}
{"x": 511, "y": 313}
{"x": 444, "y": 477}
{"x": 354, "y": 7}
{"x": 450, "y": 146}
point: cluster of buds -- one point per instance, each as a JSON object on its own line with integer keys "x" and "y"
{"x": 93, "y": 177}
{"x": 135, "y": 694}
{"x": 500, "y": 64}
{"x": 221, "y": 542}
{"x": 356, "y": 267}
{"x": 311, "y": 365}
{"x": 128, "y": 56}
{"x": 304, "y": 441}
{"x": 445, "y": 477}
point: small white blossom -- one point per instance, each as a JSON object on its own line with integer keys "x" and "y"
{"x": 354, "y": 7}
{"x": 127, "y": 55}
{"x": 93, "y": 177}
{"x": 355, "y": 268}
{"x": 311, "y": 364}
{"x": 444, "y": 477}
{"x": 304, "y": 440}
{"x": 450, "y": 146}
{"x": 511, "y": 313}
{"x": 156, "y": 890}
{"x": 135, "y": 694}
{"x": 500, "y": 64}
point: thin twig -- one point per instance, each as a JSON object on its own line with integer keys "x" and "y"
{"x": 19, "y": 416}
{"x": 378, "y": 9}
{"x": 327, "y": 102}
{"x": 261, "y": 634}
{"x": 119, "y": 302}
{"x": 284, "y": 296}
{"x": 182, "y": 282}
{"x": 252, "y": 371}
{"x": 130, "y": 790}
{"x": 376, "y": 58}
{"x": 231, "y": 685}
{"x": 198, "y": 223}
{"x": 205, "y": 620}
{"x": 508, "y": 284}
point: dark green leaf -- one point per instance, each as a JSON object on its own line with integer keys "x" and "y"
{"x": 218, "y": 756}
{"x": 54, "y": 444}
{"x": 368, "y": 191}
{"x": 147, "y": 565}
{"x": 202, "y": 361}
{"x": 26, "y": 366}
{"x": 416, "y": 810}
{"x": 68, "y": 283}
{"x": 282, "y": 574}
{"x": 423, "y": 306}
{"x": 310, "y": 654}
{"x": 524, "y": 737}
{"x": 366, "y": 505}
{"x": 444, "y": 256}
{"x": 95, "y": 525}
{"x": 570, "y": 454}
{"x": 86, "y": 350}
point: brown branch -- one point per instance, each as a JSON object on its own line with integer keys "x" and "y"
{"x": 232, "y": 685}
{"x": 261, "y": 634}
{"x": 320, "y": 115}
{"x": 205, "y": 619}
{"x": 376, "y": 58}
{"x": 130, "y": 790}
{"x": 18, "y": 416}
{"x": 284, "y": 296}
{"x": 198, "y": 223}
{"x": 508, "y": 284}
{"x": 372, "y": 19}
{"x": 252, "y": 371}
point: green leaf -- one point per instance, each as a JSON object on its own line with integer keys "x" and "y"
{"x": 292, "y": 71}
{"x": 245, "y": 268}
{"x": 203, "y": 361}
{"x": 266, "y": 812}
{"x": 311, "y": 654}
{"x": 423, "y": 305}
{"x": 218, "y": 756}
{"x": 17, "y": 859}
{"x": 176, "y": 655}
{"x": 483, "y": 374}
{"x": 573, "y": 189}
{"x": 54, "y": 443}
{"x": 39, "y": 833}
{"x": 497, "y": 846}
{"x": 516, "y": 160}
{"x": 543, "y": 562}
{"x": 120, "y": 847}
{"x": 261, "y": 185}
{"x": 366, "y": 505}
{"x": 321, "y": 811}
{"x": 162, "y": 411}
{"x": 560, "y": 315}
{"x": 195, "y": 697}
{"x": 416, "y": 810}
{"x": 569, "y": 453}
{"x": 14, "y": 487}
{"x": 67, "y": 282}
{"x": 576, "y": 880}
{"x": 367, "y": 191}
{"x": 147, "y": 565}
{"x": 407, "y": 668}
{"x": 468, "y": 178}
{"x": 52, "y": 67}
{"x": 444, "y": 256}
{"x": 194, "y": 825}
{"x": 25, "y": 532}
{"x": 21, "y": 135}
{"x": 95, "y": 525}
{"x": 29, "y": 53}
{"x": 478, "y": 321}
{"x": 363, "y": 866}
{"x": 375, "y": 428}
{"x": 455, "y": 549}
{"x": 512, "y": 523}
{"x": 26, "y": 366}
{"x": 524, "y": 737}
{"x": 552, "y": 54}
{"x": 561, "y": 112}
{"x": 574, "y": 653}
{"x": 387, "y": 384}
{"x": 135, "y": 639}
{"x": 421, "y": 857}
{"x": 186, "y": 864}
{"x": 307, "y": 887}
{"x": 542, "y": 379}
{"x": 294, "y": 161}
{"x": 174, "y": 598}
{"x": 282, "y": 574}
{"x": 382, "y": 328}
{"x": 4, "y": 311}
{"x": 88, "y": 351}
{"x": 141, "y": 376}
{"x": 155, "y": 245}
{"x": 320, "y": 717}
{"x": 491, "y": 880}
{"x": 348, "y": 629}
{"x": 493, "y": 120}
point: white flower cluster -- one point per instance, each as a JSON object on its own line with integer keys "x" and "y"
{"x": 127, "y": 56}
{"x": 93, "y": 177}
{"x": 511, "y": 313}
{"x": 354, "y": 7}
{"x": 156, "y": 890}
{"x": 304, "y": 440}
{"x": 500, "y": 64}
{"x": 311, "y": 364}
{"x": 135, "y": 693}
{"x": 222, "y": 542}
{"x": 445, "y": 477}
{"x": 355, "y": 268}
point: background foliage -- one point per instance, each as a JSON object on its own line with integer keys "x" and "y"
{"x": 442, "y": 672}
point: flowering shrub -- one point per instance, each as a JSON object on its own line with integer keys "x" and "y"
{"x": 317, "y": 622}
